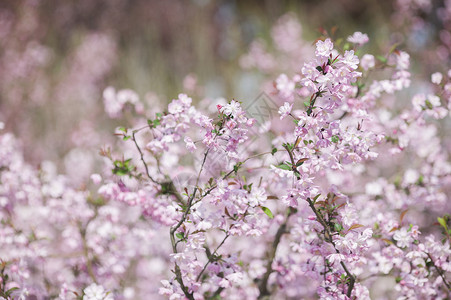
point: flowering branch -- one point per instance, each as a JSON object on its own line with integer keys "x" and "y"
{"x": 440, "y": 272}
{"x": 263, "y": 284}
{"x": 211, "y": 256}
{"x": 169, "y": 186}
{"x": 328, "y": 238}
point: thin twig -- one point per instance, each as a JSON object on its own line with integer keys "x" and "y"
{"x": 142, "y": 158}
{"x": 210, "y": 259}
{"x": 440, "y": 272}
{"x": 89, "y": 266}
{"x": 170, "y": 184}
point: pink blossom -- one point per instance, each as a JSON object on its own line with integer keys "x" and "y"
{"x": 367, "y": 62}
{"x": 403, "y": 238}
{"x": 190, "y": 144}
{"x": 285, "y": 86}
{"x": 285, "y": 110}
{"x": 358, "y": 38}
{"x": 324, "y": 48}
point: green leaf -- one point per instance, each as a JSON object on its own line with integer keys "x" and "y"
{"x": 301, "y": 161}
{"x": 122, "y": 168}
{"x": 393, "y": 48}
{"x": 338, "y": 227}
{"x": 273, "y": 151}
{"x": 381, "y": 58}
{"x": 307, "y": 103}
{"x": 334, "y": 139}
{"x": 10, "y": 291}
{"x": 284, "y": 166}
{"x": 420, "y": 180}
{"x": 180, "y": 235}
{"x": 288, "y": 146}
{"x": 267, "y": 211}
{"x": 126, "y": 137}
{"x": 442, "y": 222}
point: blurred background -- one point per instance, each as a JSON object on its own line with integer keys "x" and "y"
{"x": 57, "y": 57}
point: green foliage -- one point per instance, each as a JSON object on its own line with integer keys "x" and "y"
{"x": 284, "y": 166}
{"x": 268, "y": 212}
{"x": 122, "y": 167}
{"x": 334, "y": 139}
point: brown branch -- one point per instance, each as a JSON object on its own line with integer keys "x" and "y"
{"x": 440, "y": 272}
{"x": 82, "y": 230}
{"x": 327, "y": 233}
{"x": 263, "y": 285}
{"x": 328, "y": 237}
{"x": 170, "y": 187}
{"x": 178, "y": 273}
{"x": 211, "y": 257}
{"x": 142, "y": 158}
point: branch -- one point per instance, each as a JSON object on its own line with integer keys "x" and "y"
{"x": 210, "y": 259}
{"x": 327, "y": 233}
{"x": 89, "y": 266}
{"x": 142, "y": 158}
{"x": 440, "y": 272}
{"x": 263, "y": 285}
{"x": 178, "y": 273}
{"x": 170, "y": 187}
{"x": 328, "y": 237}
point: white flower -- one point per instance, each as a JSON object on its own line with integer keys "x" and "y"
{"x": 284, "y": 85}
{"x": 411, "y": 176}
{"x": 350, "y": 59}
{"x": 96, "y": 292}
{"x": 434, "y": 100}
{"x": 403, "y": 238}
{"x": 189, "y": 144}
{"x": 436, "y": 78}
{"x": 336, "y": 258}
{"x": 367, "y": 61}
{"x": 257, "y": 197}
{"x": 285, "y": 110}
{"x": 175, "y": 107}
{"x": 231, "y": 109}
{"x": 358, "y": 38}
{"x": 96, "y": 178}
{"x": 402, "y": 60}
{"x": 373, "y": 188}
{"x": 185, "y": 100}
{"x": 324, "y": 48}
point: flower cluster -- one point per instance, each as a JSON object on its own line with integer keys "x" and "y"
{"x": 341, "y": 192}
